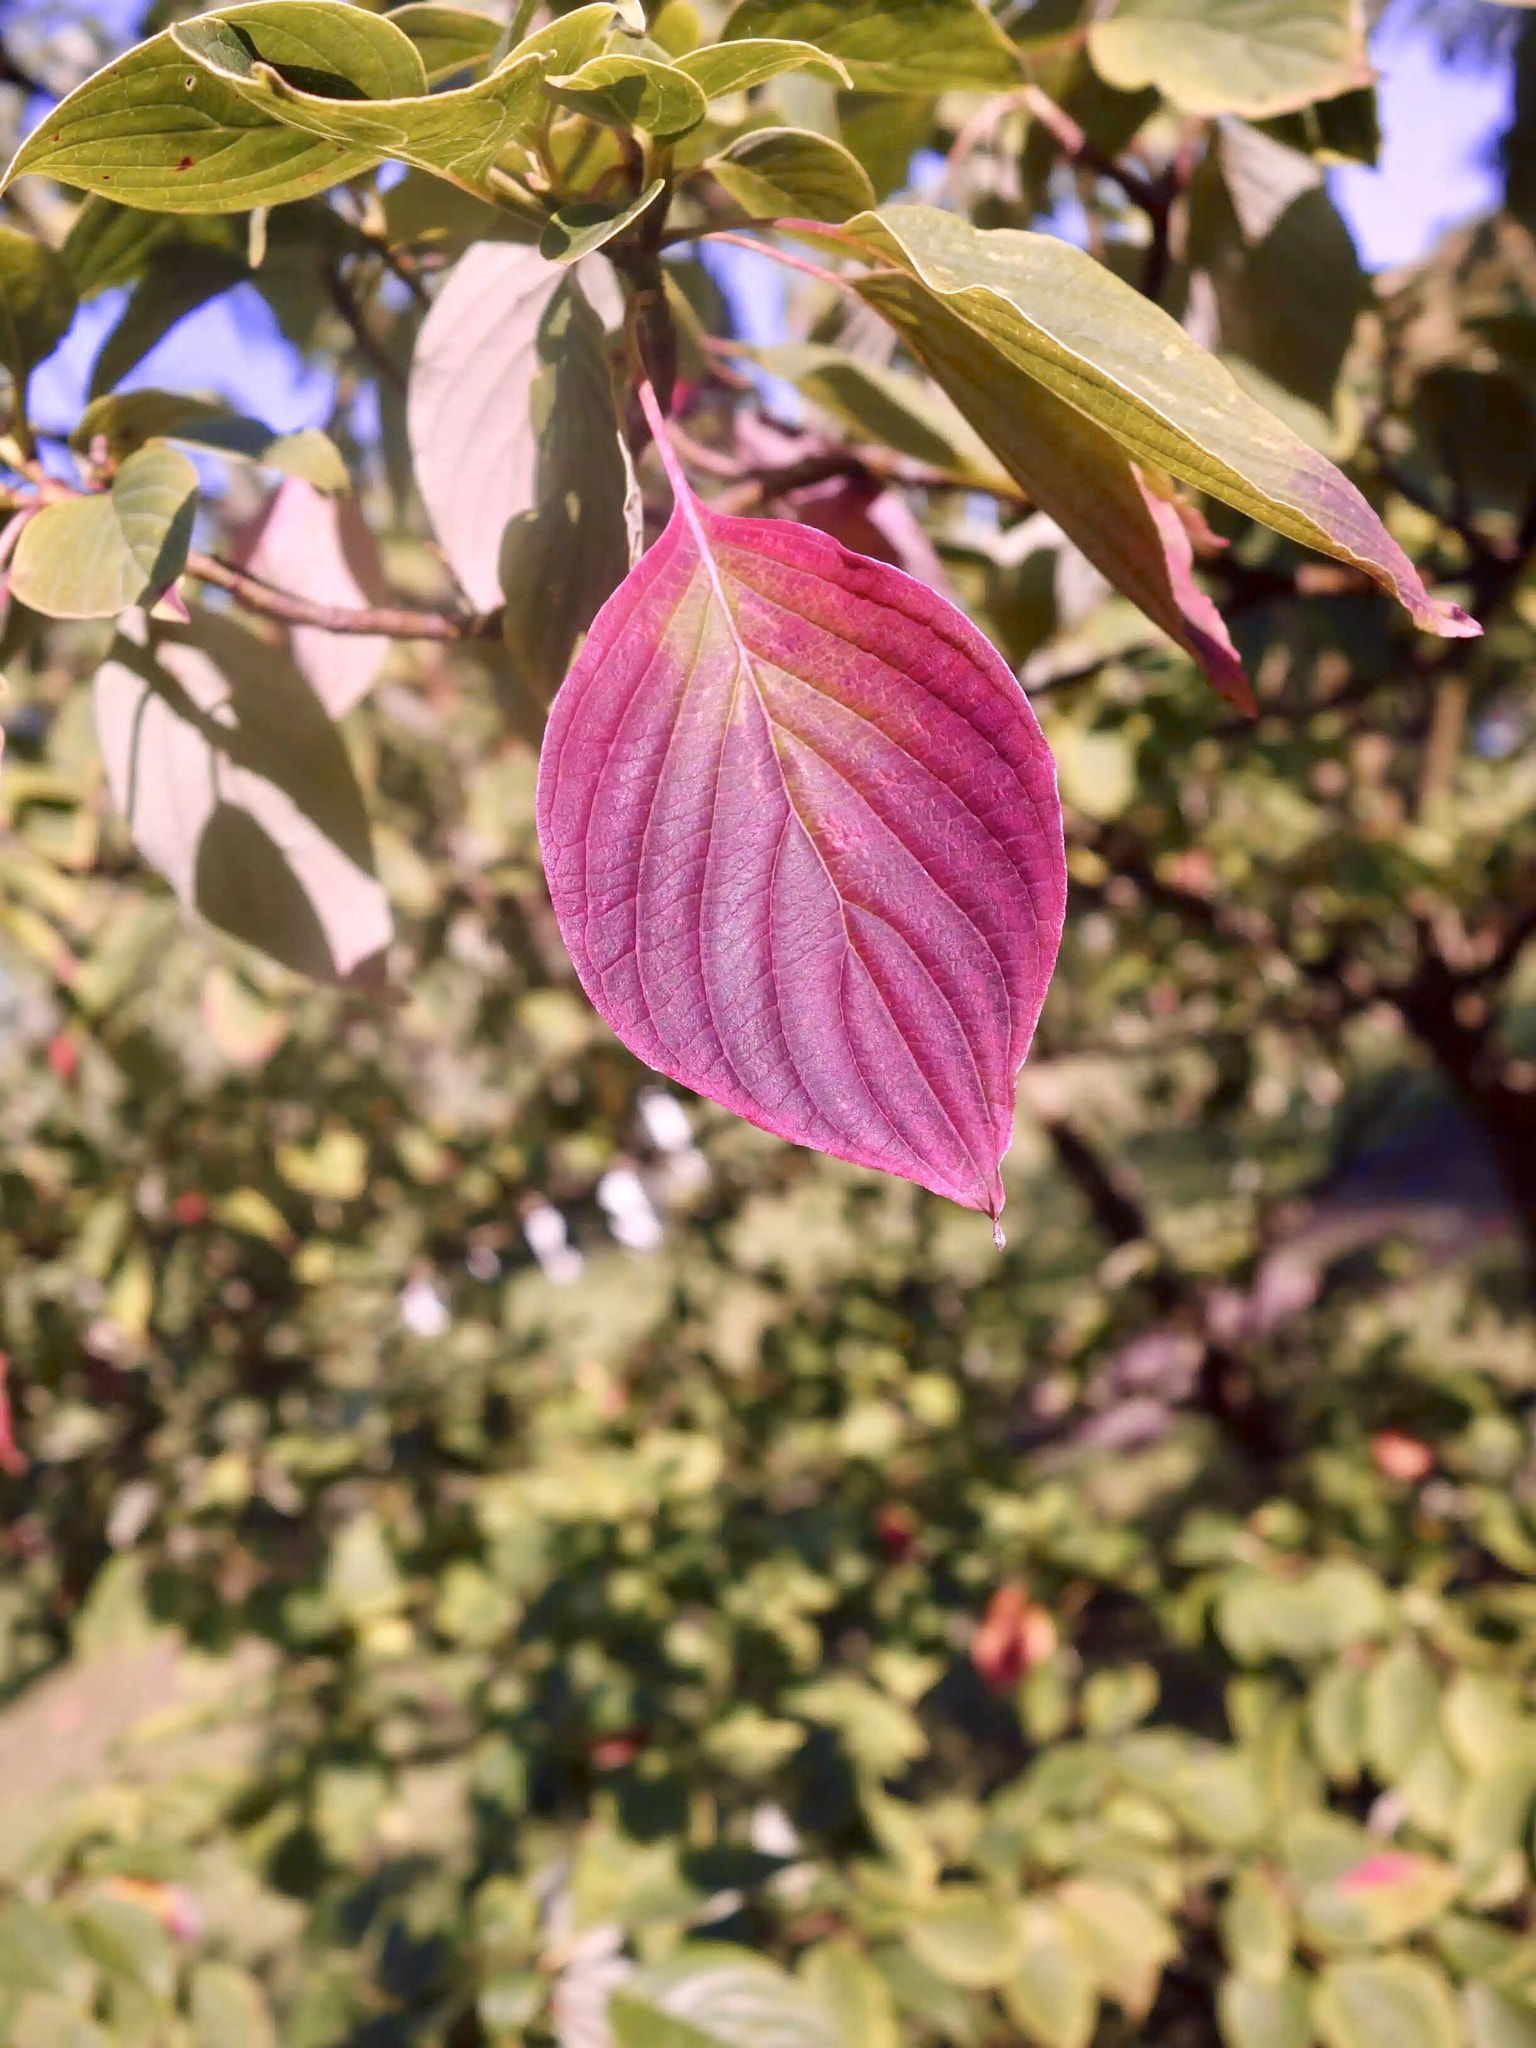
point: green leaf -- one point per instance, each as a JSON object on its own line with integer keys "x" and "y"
{"x": 108, "y": 244}
{"x": 772, "y": 171}
{"x": 968, "y": 1939}
{"x": 719, "y": 68}
{"x": 92, "y": 557}
{"x": 449, "y": 40}
{"x": 636, "y": 2023}
{"x": 1336, "y": 1721}
{"x": 45, "y": 2022}
{"x": 848, "y": 1987}
{"x": 1491, "y": 1815}
{"x": 228, "y": 2009}
{"x": 1395, "y": 2001}
{"x": 37, "y": 303}
{"x": 632, "y": 92}
{"x": 889, "y": 407}
{"x": 1252, "y": 57}
{"x": 1287, "y": 281}
{"x": 1383, "y": 1898}
{"x": 726, "y": 1997}
{"x": 1318, "y": 1612}
{"x": 584, "y": 226}
{"x": 1402, "y": 1705}
{"x": 127, "y": 420}
{"x": 167, "y": 135}
{"x": 456, "y": 134}
{"x": 1260, "y": 2012}
{"x": 562, "y": 556}
{"x": 237, "y": 788}
{"x": 1496, "y": 2020}
{"x": 1128, "y": 1940}
{"x": 1258, "y": 1929}
{"x": 1046, "y": 309}
{"x": 895, "y": 46}
{"x": 1052, "y": 1995}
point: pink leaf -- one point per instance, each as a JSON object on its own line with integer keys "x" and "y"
{"x": 804, "y": 845}
{"x": 320, "y": 548}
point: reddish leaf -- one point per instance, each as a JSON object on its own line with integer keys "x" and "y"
{"x": 320, "y": 548}
{"x": 1015, "y": 1635}
{"x": 804, "y": 845}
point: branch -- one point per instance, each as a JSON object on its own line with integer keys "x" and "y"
{"x": 368, "y": 343}
{"x": 387, "y": 622}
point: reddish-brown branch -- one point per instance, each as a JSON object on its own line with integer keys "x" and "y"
{"x": 388, "y": 622}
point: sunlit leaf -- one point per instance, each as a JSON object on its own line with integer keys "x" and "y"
{"x": 1051, "y": 1993}
{"x": 320, "y": 548}
{"x": 723, "y": 1997}
{"x": 126, "y": 420}
{"x": 772, "y": 171}
{"x": 633, "y": 92}
{"x": 483, "y": 360}
{"x": 890, "y": 45}
{"x": 584, "y": 226}
{"x": 449, "y": 40}
{"x": 720, "y": 68}
{"x": 1392, "y": 2001}
{"x": 237, "y": 788}
{"x": 1252, "y": 57}
{"x": 456, "y": 134}
{"x": 570, "y": 546}
{"x": 1260, "y": 2012}
{"x": 823, "y": 883}
{"x": 163, "y": 133}
{"x": 1047, "y": 309}
{"x": 91, "y": 557}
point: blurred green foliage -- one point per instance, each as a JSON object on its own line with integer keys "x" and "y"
{"x": 429, "y": 1621}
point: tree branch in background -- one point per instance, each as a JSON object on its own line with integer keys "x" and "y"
{"x": 385, "y": 621}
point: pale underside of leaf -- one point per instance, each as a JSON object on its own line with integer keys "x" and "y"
{"x": 1048, "y": 310}
{"x": 1073, "y": 471}
{"x": 1252, "y": 57}
{"x": 471, "y": 434}
{"x": 238, "y": 790}
{"x": 456, "y": 134}
{"x": 803, "y": 841}
{"x": 321, "y": 548}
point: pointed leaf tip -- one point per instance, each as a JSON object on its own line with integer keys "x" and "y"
{"x": 804, "y": 846}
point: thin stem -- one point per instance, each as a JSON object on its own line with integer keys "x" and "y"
{"x": 655, "y": 419}
{"x": 384, "y": 621}
{"x": 783, "y": 256}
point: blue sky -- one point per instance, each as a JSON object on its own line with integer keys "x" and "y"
{"x": 1440, "y": 124}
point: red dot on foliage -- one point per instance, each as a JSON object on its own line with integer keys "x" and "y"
{"x": 191, "y": 1209}
{"x": 1015, "y": 1635}
{"x": 1397, "y": 1456}
{"x": 613, "y": 1752}
{"x": 63, "y": 1056}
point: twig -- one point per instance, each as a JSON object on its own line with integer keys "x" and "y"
{"x": 369, "y": 345}
{"x": 387, "y": 622}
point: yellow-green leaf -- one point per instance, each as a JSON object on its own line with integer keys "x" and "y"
{"x": 773, "y": 171}
{"x": 1252, "y": 57}
{"x": 128, "y": 420}
{"x": 720, "y": 68}
{"x": 890, "y": 45}
{"x": 1395, "y": 2001}
{"x": 168, "y": 135}
{"x": 455, "y": 135}
{"x": 449, "y": 40}
{"x": 1069, "y": 324}
{"x": 633, "y": 92}
{"x": 93, "y": 556}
